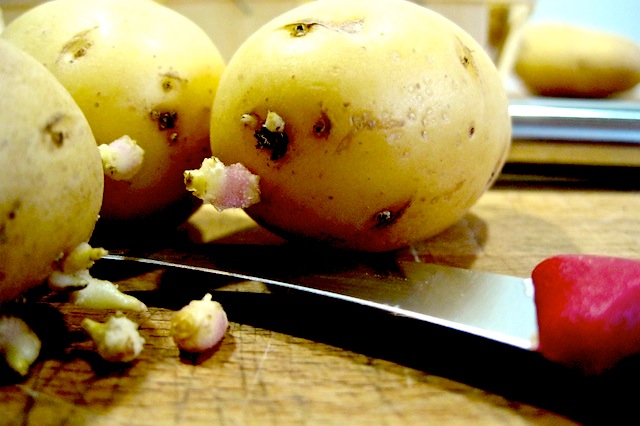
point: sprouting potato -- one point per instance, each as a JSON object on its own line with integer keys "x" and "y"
{"x": 200, "y": 325}
{"x": 370, "y": 124}
{"x": 117, "y": 339}
{"x": 139, "y": 70}
{"x": 557, "y": 59}
{"x": 51, "y": 178}
{"x": 18, "y": 344}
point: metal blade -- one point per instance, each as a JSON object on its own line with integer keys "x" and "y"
{"x": 579, "y": 120}
{"x": 493, "y": 306}
{"x": 575, "y": 132}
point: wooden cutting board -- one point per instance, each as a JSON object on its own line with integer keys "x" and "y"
{"x": 291, "y": 360}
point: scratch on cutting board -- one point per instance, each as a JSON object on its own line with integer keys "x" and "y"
{"x": 415, "y": 254}
{"x": 263, "y": 358}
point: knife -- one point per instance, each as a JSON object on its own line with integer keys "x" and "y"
{"x": 575, "y": 132}
{"x": 497, "y": 307}
{"x": 578, "y": 310}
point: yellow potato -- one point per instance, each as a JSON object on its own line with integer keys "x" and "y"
{"x": 51, "y": 178}
{"x": 569, "y": 61}
{"x": 387, "y": 122}
{"x": 135, "y": 68}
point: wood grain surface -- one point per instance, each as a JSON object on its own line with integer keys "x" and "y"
{"x": 288, "y": 359}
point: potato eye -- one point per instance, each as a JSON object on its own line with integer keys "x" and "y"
{"x": 466, "y": 57}
{"x": 384, "y": 218}
{"x": 276, "y": 142}
{"x": 387, "y": 217}
{"x": 300, "y": 29}
{"x": 52, "y": 133}
{"x": 166, "y": 119}
{"x": 78, "y": 46}
{"x": 322, "y": 127}
{"x": 167, "y": 84}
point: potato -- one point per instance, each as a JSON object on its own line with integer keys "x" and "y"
{"x": 136, "y": 68}
{"x": 564, "y": 60}
{"x": 51, "y": 178}
{"x": 394, "y": 122}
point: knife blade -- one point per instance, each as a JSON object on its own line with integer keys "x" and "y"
{"x": 575, "y": 132}
{"x": 493, "y": 306}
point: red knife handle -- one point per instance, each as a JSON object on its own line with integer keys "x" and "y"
{"x": 588, "y": 310}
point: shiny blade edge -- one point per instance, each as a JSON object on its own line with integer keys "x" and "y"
{"x": 492, "y": 306}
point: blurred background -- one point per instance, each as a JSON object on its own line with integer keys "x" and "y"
{"x": 547, "y": 130}
{"x": 620, "y": 16}
{"x": 242, "y": 17}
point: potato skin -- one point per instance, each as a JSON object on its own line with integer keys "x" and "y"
{"x": 396, "y": 122}
{"x": 51, "y": 179}
{"x": 564, "y": 60}
{"x": 136, "y": 68}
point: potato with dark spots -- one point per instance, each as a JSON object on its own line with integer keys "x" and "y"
{"x": 387, "y": 107}
{"x": 51, "y": 179}
{"x": 137, "y": 69}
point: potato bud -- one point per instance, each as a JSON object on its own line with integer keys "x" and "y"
{"x": 117, "y": 339}
{"x": 200, "y": 325}
{"x": 18, "y": 343}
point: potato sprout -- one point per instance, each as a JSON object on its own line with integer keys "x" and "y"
{"x": 200, "y": 325}
{"x": 274, "y": 123}
{"x": 81, "y": 257}
{"x": 102, "y": 294}
{"x": 122, "y": 158}
{"x": 87, "y": 291}
{"x": 18, "y": 343}
{"x": 223, "y": 186}
{"x": 117, "y": 339}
